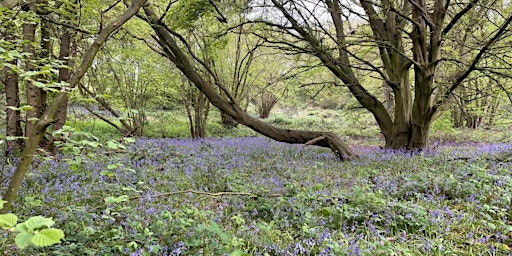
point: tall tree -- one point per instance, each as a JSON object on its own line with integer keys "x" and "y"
{"x": 409, "y": 39}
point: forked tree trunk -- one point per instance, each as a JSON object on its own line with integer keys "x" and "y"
{"x": 177, "y": 56}
{"x": 266, "y": 104}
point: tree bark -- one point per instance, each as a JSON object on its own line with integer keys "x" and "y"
{"x": 13, "y": 122}
{"x": 64, "y": 75}
{"x": 49, "y": 114}
{"x": 179, "y": 58}
{"x": 33, "y": 93}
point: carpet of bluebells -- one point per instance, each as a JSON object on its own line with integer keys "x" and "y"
{"x": 161, "y": 197}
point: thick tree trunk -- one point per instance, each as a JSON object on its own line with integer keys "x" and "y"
{"x": 401, "y": 132}
{"x": 422, "y": 112}
{"x": 177, "y": 56}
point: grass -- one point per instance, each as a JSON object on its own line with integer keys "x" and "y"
{"x": 159, "y": 198}
{"x": 354, "y": 126}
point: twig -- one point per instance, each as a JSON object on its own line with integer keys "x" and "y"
{"x": 198, "y": 193}
{"x": 203, "y": 193}
{"x": 313, "y": 141}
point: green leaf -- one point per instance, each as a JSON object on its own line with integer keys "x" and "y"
{"x": 224, "y": 237}
{"x": 2, "y": 203}
{"x": 22, "y": 240}
{"x": 30, "y": 73}
{"x": 36, "y": 222}
{"x": 30, "y": 200}
{"x": 112, "y": 144}
{"x": 47, "y": 237}
{"x": 112, "y": 166}
{"x": 21, "y": 227}
{"x": 11, "y": 138}
{"x": 8, "y": 220}
{"x": 111, "y": 199}
{"x": 39, "y": 84}
{"x": 107, "y": 173}
{"x": 26, "y": 108}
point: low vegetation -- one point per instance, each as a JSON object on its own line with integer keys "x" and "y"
{"x": 253, "y": 196}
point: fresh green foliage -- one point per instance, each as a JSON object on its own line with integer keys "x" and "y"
{"x": 185, "y": 13}
{"x": 35, "y": 231}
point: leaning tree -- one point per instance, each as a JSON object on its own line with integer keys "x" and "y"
{"x": 175, "y": 48}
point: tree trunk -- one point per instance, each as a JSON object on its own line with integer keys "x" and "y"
{"x": 401, "y": 130}
{"x": 33, "y": 92}
{"x": 227, "y": 121}
{"x": 267, "y": 102}
{"x": 198, "y": 109}
{"x": 49, "y": 115}
{"x": 13, "y": 122}
{"x": 422, "y": 112}
{"x": 64, "y": 75}
{"x": 178, "y": 57}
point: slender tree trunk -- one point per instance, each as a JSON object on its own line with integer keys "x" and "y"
{"x": 13, "y": 122}
{"x": 198, "y": 108}
{"x": 33, "y": 93}
{"x": 227, "y": 121}
{"x": 64, "y": 75}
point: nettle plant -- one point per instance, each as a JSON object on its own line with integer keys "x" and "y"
{"x": 35, "y": 231}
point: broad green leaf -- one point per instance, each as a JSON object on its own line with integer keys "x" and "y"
{"x": 8, "y": 220}
{"x": 22, "y": 240}
{"x": 47, "y": 237}
{"x": 21, "y": 227}
{"x": 36, "y": 222}
{"x": 111, "y": 199}
{"x": 2, "y": 203}
{"x": 30, "y": 200}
